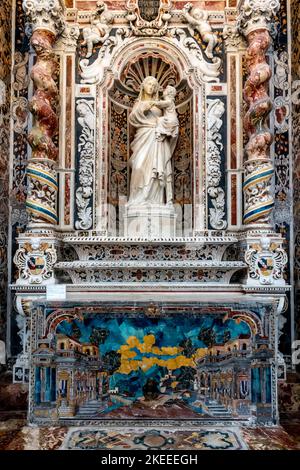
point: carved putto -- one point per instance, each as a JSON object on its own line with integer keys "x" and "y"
{"x": 99, "y": 30}
{"x": 198, "y": 20}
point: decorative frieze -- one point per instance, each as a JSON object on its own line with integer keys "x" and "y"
{"x": 114, "y": 251}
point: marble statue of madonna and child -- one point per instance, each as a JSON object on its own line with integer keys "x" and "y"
{"x": 156, "y": 124}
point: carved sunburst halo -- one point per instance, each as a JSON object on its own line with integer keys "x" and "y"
{"x": 126, "y": 90}
{"x": 150, "y": 63}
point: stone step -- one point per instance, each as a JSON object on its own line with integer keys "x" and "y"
{"x": 217, "y": 409}
{"x": 141, "y": 272}
{"x": 120, "y": 249}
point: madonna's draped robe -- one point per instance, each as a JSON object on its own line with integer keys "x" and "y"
{"x": 151, "y": 158}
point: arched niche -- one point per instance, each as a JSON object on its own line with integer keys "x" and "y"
{"x": 115, "y": 95}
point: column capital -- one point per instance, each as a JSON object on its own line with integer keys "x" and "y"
{"x": 257, "y": 14}
{"x": 45, "y": 14}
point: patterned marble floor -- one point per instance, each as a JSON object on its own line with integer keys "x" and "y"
{"x": 154, "y": 439}
{"x": 15, "y": 435}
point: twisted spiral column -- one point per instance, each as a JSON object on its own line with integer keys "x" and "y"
{"x": 45, "y": 18}
{"x": 256, "y": 24}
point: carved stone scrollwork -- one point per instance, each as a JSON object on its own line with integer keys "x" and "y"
{"x": 86, "y": 146}
{"x": 209, "y": 71}
{"x": 122, "y": 37}
{"x": 35, "y": 261}
{"x": 69, "y": 36}
{"x": 266, "y": 261}
{"x": 232, "y": 37}
{"x": 215, "y": 111}
{"x": 256, "y": 23}
{"x": 281, "y": 82}
{"x": 23, "y": 320}
{"x": 149, "y": 20}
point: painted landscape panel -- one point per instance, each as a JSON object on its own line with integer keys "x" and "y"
{"x": 166, "y": 368}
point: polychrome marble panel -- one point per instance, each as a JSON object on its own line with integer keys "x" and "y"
{"x": 176, "y": 366}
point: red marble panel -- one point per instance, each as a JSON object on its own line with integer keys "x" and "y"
{"x": 67, "y": 217}
{"x": 91, "y": 4}
{"x": 233, "y": 200}
{"x": 207, "y": 5}
{"x": 177, "y": 4}
{"x": 233, "y": 117}
{"x": 69, "y": 99}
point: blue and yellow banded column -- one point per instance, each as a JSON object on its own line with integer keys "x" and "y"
{"x": 41, "y": 200}
{"x": 259, "y": 201}
{"x": 256, "y": 22}
{"x": 45, "y": 27}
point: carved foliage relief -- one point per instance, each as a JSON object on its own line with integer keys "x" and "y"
{"x": 85, "y": 143}
{"x": 215, "y": 163}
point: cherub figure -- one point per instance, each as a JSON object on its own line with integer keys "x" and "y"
{"x": 100, "y": 28}
{"x": 167, "y": 125}
{"x": 198, "y": 20}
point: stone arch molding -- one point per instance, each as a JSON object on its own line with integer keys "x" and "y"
{"x": 101, "y": 76}
{"x": 182, "y": 50}
{"x": 113, "y": 56}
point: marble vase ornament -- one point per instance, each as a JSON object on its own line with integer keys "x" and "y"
{"x": 150, "y": 210}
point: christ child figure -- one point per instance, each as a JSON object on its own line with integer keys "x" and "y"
{"x": 167, "y": 125}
